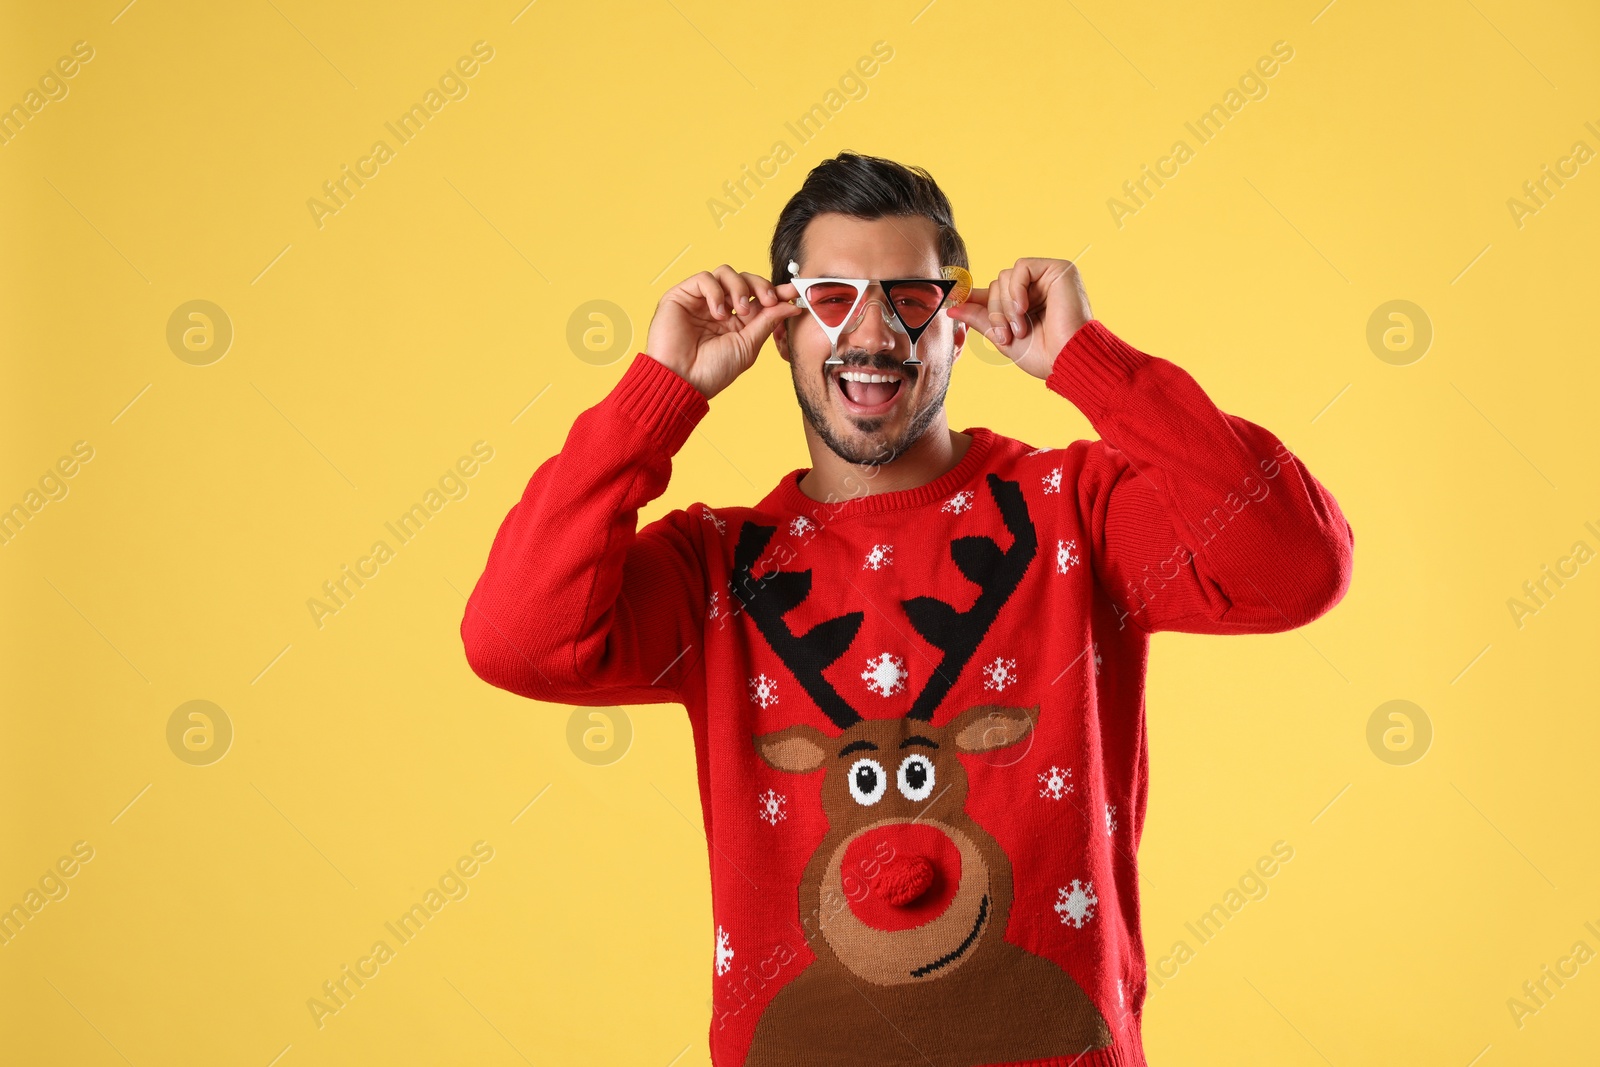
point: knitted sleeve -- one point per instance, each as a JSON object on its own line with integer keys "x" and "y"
{"x": 575, "y": 605}
{"x": 1200, "y": 521}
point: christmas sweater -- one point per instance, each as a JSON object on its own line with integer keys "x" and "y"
{"x": 918, "y": 715}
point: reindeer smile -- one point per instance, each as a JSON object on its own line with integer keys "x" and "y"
{"x": 949, "y": 957}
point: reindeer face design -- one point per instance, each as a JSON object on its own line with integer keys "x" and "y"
{"x": 905, "y": 886}
{"x": 907, "y": 891}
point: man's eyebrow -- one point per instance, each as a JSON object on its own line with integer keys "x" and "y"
{"x": 857, "y": 746}
{"x": 918, "y": 739}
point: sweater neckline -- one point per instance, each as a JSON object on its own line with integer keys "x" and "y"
{"x": 791, "y": 499}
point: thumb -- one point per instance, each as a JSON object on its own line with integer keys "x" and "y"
{"x": 976, "y": 317}
{"x": 760, "y": 325}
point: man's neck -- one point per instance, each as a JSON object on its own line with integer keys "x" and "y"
{"x": 935, "y": 454}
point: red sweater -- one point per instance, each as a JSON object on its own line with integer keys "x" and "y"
{"x": 918, "y": 715}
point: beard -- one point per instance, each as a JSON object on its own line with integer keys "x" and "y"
{"x": 870, "y": 441}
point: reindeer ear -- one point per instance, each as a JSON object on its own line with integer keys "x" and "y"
{"x": 797, "y": 750}
{"x": 991, "y": 726}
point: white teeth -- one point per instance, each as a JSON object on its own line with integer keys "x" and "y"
{"x": 858, "y": 376}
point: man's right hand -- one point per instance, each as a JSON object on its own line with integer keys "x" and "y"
{"x": 707, "y": 329}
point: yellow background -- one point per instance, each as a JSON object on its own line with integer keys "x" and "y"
{"x": 373, "y": 351}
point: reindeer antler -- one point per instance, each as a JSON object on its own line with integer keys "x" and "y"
{"x": 955, "y": 633}
{"x": 958, "y": 633}
{"x": 769, "y": 598}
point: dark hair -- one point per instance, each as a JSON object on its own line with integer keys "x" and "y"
{"x": 865, "y": 187}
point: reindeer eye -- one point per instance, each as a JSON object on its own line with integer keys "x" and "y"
{"x": 916, "y": 777}
{"x": 867, "y": 781}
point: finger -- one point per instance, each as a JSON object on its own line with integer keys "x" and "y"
{"x": 963, "y": 312}
{"x": 1029, "y": 277}
{"x": 762, "y": 289}
{"x": 737, "y": 288}
{"x": 708, "y": 289}
{"x": 999, "y": 296}
{"x": 760, "y": 324}
{"x": 1007, "y": 303}
{"x": 1037, "y": 291}
{"x": 1015, "y": 302}
{"x": 973, "y": 311}
{"x": 1020, "y": 302}
{"x": 974, "y": 314}
{"x": 1021, "y": 279}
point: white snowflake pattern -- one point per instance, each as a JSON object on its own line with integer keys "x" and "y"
{"x": 1053, "y": 783}
{"x": 1075, "y": 903}
{"x": 724, "y": 951}
{"x": 1098, "y": 659}
{"x": 1052, "y": 481}
{"x": 1120, "y": 1002}
{"x": 1111, "y": 819}
{"x": 771, "y": 809}
{"x": 962, "y": 501}
{"x": 885, "y": 675}
{"x": 1066, "y": 556}
{"x": 1039, "y": 451}
{"x": 1000, "y": 674}
{"x": 764, "y": 690}
{"x": 725, "y": 603}
{"x": 880, "y": 557}
{"x": 711, "y": 517}
{"x": 799, "y": 525}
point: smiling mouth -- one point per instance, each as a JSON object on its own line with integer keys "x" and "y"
{"x": 868, "y": 397}
{"x": 952, "y": 956}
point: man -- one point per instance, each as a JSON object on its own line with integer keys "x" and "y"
{"x": 951, "y": 627}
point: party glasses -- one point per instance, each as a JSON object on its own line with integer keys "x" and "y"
{"x": 838, "y": 303}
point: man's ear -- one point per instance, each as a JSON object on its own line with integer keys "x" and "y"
{"x": 959, "y": 340}
{"x": 780, "y": 339}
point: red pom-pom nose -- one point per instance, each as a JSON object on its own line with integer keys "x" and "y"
{"x": 903, "y": 880}
{"x": 900, "y": 875}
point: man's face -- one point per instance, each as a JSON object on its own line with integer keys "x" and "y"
{"x": 877, "y": 426}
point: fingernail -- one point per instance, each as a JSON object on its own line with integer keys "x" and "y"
{"x": 1016, "y": 329}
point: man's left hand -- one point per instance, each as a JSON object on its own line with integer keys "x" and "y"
{"x": 1029, "y": 312}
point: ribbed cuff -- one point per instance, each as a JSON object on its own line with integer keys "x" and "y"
{"x": 1092, "y": 367}
{"x": 660, "y": 401}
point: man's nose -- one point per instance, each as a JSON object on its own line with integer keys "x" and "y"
{"x": 875, "y": 327}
